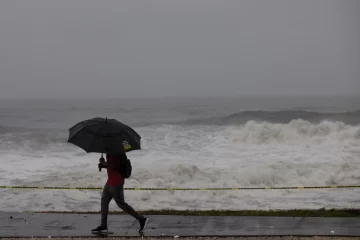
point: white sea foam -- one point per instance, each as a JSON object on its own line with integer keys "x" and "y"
{"x": 256, "y": 154}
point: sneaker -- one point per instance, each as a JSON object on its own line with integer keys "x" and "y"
{"x": 143, "y": 224}
{"x": 100, "y": 229}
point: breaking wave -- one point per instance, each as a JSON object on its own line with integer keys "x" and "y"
{"x": 284, "y": 116}
{"x": 196, "y": 136}
{"x": 296, "y": 130}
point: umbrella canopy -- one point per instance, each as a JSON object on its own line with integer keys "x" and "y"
{"x": 102, "y": 135}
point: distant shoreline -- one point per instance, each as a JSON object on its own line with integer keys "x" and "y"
{"x": 174, "y": 97}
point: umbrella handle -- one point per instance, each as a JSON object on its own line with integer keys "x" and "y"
{"x": 101, "y": 160}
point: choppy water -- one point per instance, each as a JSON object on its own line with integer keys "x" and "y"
{"x": 204, "y": 142}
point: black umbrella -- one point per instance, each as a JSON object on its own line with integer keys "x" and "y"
{"x": 104, "y": 135}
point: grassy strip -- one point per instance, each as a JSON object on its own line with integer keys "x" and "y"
{"x": 264, "y": 213}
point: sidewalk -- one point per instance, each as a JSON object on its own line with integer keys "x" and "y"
{"x": 76, "y": 225}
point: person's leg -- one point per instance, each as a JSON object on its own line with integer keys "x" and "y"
{"x": 106, "y": 197}
{"x": 118, "y": 194}
{"x": 105, "y": 200}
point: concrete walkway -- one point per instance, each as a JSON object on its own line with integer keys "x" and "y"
{"x": 75, "y": 225}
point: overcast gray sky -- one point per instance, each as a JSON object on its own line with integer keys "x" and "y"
{"x": 153, "y": 48}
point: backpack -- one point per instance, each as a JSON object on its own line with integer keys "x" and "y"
{"x": 125, "y": 168}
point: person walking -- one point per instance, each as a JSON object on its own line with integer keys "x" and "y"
{"x": 114, "y": 189}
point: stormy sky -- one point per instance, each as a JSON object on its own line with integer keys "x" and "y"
{"x": 153, "y": 48}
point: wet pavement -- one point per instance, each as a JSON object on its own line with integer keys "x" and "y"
{"x": 76, "y": 225}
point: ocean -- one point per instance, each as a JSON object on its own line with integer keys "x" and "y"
{"x": 187, "y": 142}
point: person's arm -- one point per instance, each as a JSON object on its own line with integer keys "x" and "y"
{"x": 113, "y": 164}
{"x": 107, "y": 165}
{"x": 104, "y": 164}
